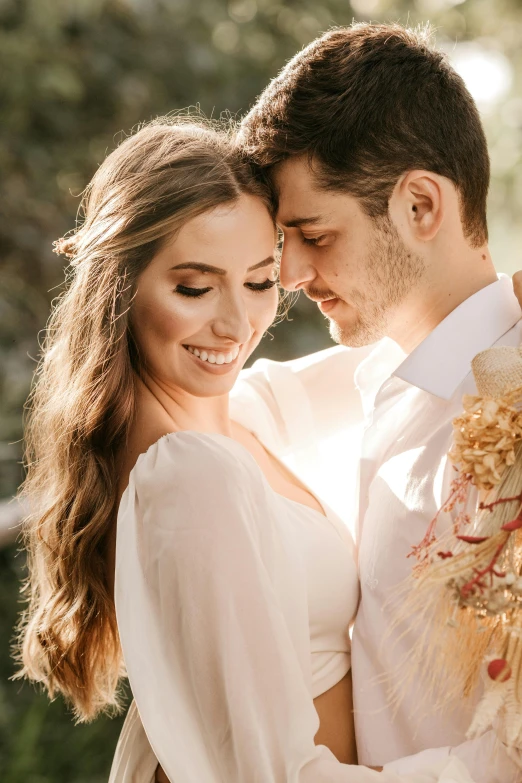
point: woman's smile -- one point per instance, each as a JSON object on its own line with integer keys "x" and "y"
{"x": 212, "y": 360}
{"x": 210, "y": 292}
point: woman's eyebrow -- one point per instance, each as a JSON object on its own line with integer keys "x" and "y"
{"x": 265, "y": 262}
{"x": 216, "y": 270}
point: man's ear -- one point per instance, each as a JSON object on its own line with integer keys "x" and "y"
{"x": 418, "y": 202}
{"x": 517, "y": 286}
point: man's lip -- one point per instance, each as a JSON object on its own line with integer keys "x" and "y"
{"x": 326, "y": 305}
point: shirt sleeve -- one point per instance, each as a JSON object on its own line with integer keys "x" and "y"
{"x": 297, "y": 404}
{"x": 204, "y": 583}
{"x": 487, "y": 759}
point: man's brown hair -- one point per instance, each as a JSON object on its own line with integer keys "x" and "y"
{"x": 367, "y": 103}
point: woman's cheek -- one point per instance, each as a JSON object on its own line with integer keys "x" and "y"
{"x": 161, "y": 328}
{"x": 269, "y": 308}
{"x": 263, "y": 311}
{"x": 178, "y": 319}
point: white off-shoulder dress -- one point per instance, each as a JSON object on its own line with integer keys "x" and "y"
{"x": 234, "y": 605}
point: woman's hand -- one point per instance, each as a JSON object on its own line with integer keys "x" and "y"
{"x": 517, "y": 286}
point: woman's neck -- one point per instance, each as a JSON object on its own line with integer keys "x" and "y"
{"x": 170, "y": 409}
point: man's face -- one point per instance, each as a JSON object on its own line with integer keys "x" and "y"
{"x": 357, "y": 268}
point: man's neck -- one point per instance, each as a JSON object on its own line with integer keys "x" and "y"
{"x": 439, "y": 294}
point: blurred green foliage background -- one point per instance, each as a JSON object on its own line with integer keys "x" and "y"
{"x": 73, "y": 76}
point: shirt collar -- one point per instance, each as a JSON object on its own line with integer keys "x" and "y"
{"x": 443, "y": 359}
{"x": 375, "y": 369}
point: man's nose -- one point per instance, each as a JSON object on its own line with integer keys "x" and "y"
{"x": 295, "y": 271}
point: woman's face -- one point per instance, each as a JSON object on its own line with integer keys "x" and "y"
{"x": 207, "y": 297}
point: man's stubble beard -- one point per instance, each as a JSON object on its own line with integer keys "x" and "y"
{"x": 392, "y": 272}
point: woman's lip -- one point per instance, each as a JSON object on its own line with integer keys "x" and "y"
{"x": 212, "y": 350}
{"x": 327, "y": 305}
{"x": 216, "y": 369}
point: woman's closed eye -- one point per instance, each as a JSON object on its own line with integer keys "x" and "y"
{"x": 198, "y": 292}
{"x": 185, "y": 290}
{"x": 264, "y": 286}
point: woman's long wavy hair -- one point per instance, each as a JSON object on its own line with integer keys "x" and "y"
{"x": 83, "y": 398}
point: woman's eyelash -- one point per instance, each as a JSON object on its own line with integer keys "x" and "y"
{"x": 262, "y": 286}
{"x": 198, "y": 292}
{"x": 193, "y": 292}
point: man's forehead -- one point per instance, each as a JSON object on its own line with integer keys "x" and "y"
{"x": 296, "y": 191}
{"x": 292, "y": 172}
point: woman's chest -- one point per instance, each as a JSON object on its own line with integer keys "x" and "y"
{"x": 275, "y": 472}
{"x": 329, "y": 576}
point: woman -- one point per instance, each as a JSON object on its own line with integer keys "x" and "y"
{"x": 166, "y": 539}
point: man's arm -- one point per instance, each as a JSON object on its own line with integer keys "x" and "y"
{"x": 297, "y": 404}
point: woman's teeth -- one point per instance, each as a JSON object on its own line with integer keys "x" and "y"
{"x": 214, "y": 358}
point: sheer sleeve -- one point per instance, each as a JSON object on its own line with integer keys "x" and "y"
{"x": 204, "y": 582}
{"x": 308, "y": 412}
{"x": 486, "y": 756}
{"x": 296, "y": 404}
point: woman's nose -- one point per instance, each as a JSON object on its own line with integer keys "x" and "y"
{"x": 233, "y": 320}
{"x": 295, "y": 271}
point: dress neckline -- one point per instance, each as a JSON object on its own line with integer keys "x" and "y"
{"x": 328, "y": 515}
{"x": 323, "y": 513}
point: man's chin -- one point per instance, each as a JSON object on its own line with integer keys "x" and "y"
{"x": 353, "y": 335}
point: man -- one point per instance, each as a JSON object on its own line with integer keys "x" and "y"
{"x": 380, "y": 171}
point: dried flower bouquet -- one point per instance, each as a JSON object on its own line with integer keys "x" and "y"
{"x": 465, "y": 593}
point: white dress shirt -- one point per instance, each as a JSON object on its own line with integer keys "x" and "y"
{"x": 404, "y": 405}
{"x": 410, "y": 402}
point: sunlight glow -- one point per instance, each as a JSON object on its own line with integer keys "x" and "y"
{"x": 488, "y": 74}
{"x": 366, "y": 7}
{"x": 331, "y": 470}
